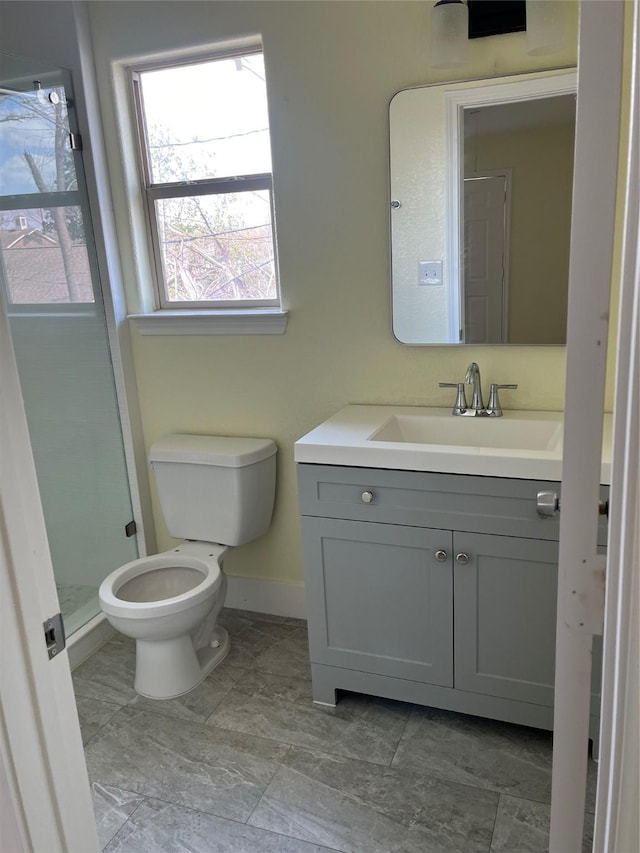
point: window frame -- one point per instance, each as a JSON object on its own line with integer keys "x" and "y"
{"x": 153, "y": 192}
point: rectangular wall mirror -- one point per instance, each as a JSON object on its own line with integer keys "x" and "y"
{"x": 481, "y": 181}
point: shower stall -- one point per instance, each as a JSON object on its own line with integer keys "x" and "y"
{"x": 50, "y": 278}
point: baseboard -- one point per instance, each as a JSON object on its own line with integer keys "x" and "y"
{"x": 88, "y": 639}
{"x": 276, "y": 598}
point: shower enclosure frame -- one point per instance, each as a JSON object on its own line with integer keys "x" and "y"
{"x": 108, "y": 280}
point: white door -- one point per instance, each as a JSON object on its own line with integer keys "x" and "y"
{"x": 581, "y": 572}
{"x": 45, "y": 789}
{"x": 484, "y": 265}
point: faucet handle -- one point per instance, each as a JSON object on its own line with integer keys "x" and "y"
{"x": 460, "y": 406}
{"x": 494, "y": 409}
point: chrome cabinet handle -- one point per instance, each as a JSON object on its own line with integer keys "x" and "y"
{"x": 367, "y": 497}
{"x": 548, "y": 504}
{"x": 441, "y": 555}
{"x": 462, "y": 558}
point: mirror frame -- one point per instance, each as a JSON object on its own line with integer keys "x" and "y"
{"x": 463, "y": 94}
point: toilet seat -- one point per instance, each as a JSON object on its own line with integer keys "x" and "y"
{"x": 203, "y": 557}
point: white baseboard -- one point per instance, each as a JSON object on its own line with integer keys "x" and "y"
{"x": 88, "y": 639}
{"x": 276, "y": 598}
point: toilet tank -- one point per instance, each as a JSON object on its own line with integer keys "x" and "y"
{"x": 215, "y": 488}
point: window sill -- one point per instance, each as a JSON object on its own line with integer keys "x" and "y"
{"x": 253, "y": 321}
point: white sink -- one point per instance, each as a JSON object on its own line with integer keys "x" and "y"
{"x": 505, "y": 432}
{"x": 525, "y": 445}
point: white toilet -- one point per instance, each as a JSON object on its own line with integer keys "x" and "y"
{"x": 215, "y": 492}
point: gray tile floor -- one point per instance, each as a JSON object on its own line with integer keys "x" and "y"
{"x": 246, "y": 764}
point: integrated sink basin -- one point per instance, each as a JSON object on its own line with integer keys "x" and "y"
{"x": 474, "y": 432}
{"x": 521, "y": 444}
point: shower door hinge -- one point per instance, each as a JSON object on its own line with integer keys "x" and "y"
{"x": 75, "y": 142}
{"x": 54, "y": 635}
{"x": 131, "y": 528}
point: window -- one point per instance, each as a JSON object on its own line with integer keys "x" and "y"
{"x": 45, "y": 263}
{"x": 203, "y": 131}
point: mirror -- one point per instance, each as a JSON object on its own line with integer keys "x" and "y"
{"x": 481, "y": 182}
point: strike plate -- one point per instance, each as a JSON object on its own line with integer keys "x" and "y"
{"x": 585, "y": 601}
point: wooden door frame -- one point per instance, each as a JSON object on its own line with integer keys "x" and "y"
{"x": 618, "y": 779}
{"x": 581, "y": 571}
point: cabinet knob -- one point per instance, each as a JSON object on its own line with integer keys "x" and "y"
{"x": 548, "y": 504}
{"x": 441, "y": 556}
{"x": 367, "y": 497}
{"x": 462, "y": 558}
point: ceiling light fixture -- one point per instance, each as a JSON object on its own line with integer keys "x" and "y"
{"x": 449, "y": 33}
{"x": 454, "y": 22}
{"x": 546, "y": 26}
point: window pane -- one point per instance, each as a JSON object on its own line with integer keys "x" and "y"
{"x": 44, "y": 256}
{"x": 34, "y": 143}
{"x": 217, "y": 247}
{"x": 207, "y": 120}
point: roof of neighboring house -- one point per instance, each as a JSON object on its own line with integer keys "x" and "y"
{"x": 25, "y": 238}
{"x": 35, "y": 269}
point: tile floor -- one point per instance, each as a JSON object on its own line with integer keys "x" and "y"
{"x": 246, "y": 764}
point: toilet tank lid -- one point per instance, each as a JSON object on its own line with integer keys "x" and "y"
{"x": 226, "y": 451}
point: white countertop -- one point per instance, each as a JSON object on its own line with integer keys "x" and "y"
{"x": 345, "y": 439}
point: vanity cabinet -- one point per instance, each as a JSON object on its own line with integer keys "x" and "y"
{"x": 438, "y": 589}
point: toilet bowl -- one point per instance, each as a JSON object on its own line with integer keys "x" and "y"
{"x": 168, "y": 604}
{"x": 215, "y": 492}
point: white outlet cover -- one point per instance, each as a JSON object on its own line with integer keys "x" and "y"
{"x": 430, "y": 272}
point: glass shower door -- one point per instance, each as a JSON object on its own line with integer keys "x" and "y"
{"x": 50, "y": 276}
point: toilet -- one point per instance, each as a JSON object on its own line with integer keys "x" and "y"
{"x": 215, "y": 492}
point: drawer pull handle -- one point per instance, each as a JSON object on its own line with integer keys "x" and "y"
{"x": 441, "y": 556}
{"x": 462, "y": 558}
{"x": 367, "y": 497}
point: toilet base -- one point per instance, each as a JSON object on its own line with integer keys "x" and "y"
{"x": 166, "y": 669}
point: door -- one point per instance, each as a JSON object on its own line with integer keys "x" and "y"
{"x": 484, "y": 265}
{"x": 50, "y": 276}
{"x": 505, "y": 617}
{"x": 382, "y": 598}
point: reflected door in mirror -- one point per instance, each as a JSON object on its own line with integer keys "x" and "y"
{"x": 484, "y": 264}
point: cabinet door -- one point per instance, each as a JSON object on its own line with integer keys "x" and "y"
{"x": 505, "y": 616}
{"x": 378, "y": 600}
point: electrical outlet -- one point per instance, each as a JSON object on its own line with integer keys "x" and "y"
{"x": 429, "y": 272}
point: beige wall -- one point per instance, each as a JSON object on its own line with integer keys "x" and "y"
{"x": 541, "y": 164}
{"x": 332, "y": 69}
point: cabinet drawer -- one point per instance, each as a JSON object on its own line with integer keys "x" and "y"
{"x": 423, "y": 499}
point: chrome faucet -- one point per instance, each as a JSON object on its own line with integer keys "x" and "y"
{"x": 472, "y": 377}
{"x": 477, "y": 408}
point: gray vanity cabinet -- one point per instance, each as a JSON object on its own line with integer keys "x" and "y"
{"x": 437, "y": 589}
